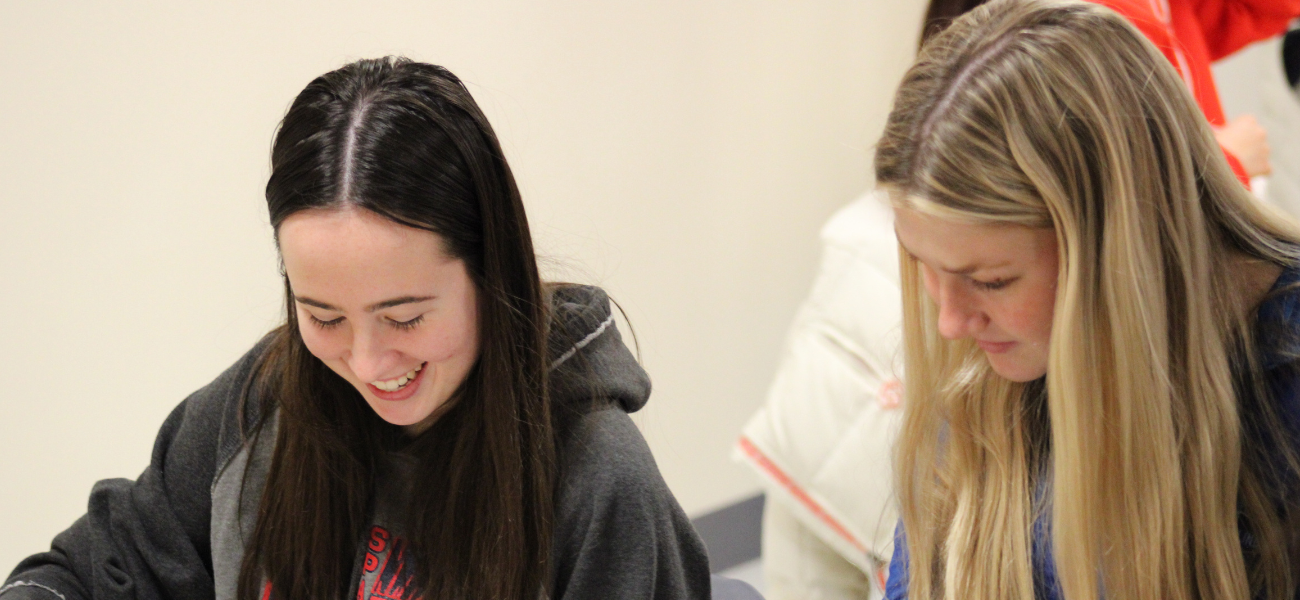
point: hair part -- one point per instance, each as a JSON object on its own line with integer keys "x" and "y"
{"x": 1146, "y": 441}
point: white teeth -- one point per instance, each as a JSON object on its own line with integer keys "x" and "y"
{"x": 392, "y": 385}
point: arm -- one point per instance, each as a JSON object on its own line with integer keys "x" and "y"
{"x": 1238, "y": 168}
{"x": 1244, "y": 140}
{"x": 619, "y": 532}
{"x": 146, "y": 539}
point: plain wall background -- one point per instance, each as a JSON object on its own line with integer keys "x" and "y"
{"x": 682, "y": 154}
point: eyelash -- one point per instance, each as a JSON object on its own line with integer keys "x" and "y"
{"x": 991, "y": 286}
{"x": 988, "y": 286}
{"x": 326, "y": 324}
{"x": 408, "y": 325}
{"x": 402, "y": 325}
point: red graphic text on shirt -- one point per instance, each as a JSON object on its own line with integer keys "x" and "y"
{"x": 387, "y": 573}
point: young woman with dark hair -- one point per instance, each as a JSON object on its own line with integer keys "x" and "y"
{"x": 432, "y": 421}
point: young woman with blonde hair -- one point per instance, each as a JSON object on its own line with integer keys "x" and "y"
{"x": 1100, "y": 330}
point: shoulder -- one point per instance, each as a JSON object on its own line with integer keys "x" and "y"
{"x": 219, "y": 415}
{"x": 159, "y": 523}
{"x": 854, "y": 305}
{"x": 858, "y": 244}
{"x": 1277, "y": 340}
{"x": 604, "y": 456}
{"x": 866, "y": 223}
{"x": 1277, "y": 327}
{"x": 613, "y": 508}
{"x": 609, "y": 482}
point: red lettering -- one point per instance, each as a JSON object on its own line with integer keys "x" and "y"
{"x": 378, "y": 539}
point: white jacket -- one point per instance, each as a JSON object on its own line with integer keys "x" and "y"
{"x": 822, "y": 442}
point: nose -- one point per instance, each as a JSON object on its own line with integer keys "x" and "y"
{"x": 959, "y": 315}
{"x": 369, "y": 358}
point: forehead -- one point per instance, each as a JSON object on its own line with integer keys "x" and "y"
{"x": 359, "y": 252}
{"x": 357, "y": 228}
{"x": 954, "y": 245}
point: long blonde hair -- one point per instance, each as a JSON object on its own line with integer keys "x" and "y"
{"x": 1061, "y": 115}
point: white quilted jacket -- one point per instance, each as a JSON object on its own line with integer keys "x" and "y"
{"x": 822, "y": 442}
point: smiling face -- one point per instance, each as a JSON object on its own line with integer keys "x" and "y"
{"x": 995, "y": 284}
{"x": 384, "y": 307}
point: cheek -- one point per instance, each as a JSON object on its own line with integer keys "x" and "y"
{"x": 314, "y": 342}
{"x": 452, "y": 341}
{"x": 325, "y": 345}
{"x": 464, "y": 337}
{"x": 1043, "y": 322}
{"x": 1030, "y": 317}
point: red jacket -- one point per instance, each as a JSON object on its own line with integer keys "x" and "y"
{"x": 1194, "y": 33}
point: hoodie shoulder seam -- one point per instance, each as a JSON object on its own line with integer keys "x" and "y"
{"x": 17, "y": 584}
{"x": 582, "y": 343}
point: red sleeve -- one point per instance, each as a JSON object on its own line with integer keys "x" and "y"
{"x": 1138, "y": 12}
{"x": 1231, "y": 25}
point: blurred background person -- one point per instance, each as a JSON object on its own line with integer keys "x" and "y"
{"x": 1261, "y": 80}
{"x": 821, "y": 443}
{"x": 1193, "y": 34}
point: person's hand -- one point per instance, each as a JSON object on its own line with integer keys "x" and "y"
{"x": 1247, "y": 141}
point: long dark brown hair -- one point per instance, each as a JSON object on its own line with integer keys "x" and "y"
{"x": 405, "y": 140}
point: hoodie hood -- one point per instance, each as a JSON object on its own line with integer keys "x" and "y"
{"x": 588, "y": 358}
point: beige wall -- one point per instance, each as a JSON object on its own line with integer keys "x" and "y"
{"x": 680, "y": 153}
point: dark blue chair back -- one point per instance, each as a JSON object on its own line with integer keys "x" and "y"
{"x": 733, "y": 589}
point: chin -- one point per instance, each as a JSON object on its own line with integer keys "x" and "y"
{"x": 393, "y": 417}
{"x": 1019, "y": 373}
{"x": 402, "y": 416}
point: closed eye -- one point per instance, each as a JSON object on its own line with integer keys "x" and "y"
{"x": 992, "y": 286}
{"x": 407, "y": 325}
{"x": 325, "y": 324}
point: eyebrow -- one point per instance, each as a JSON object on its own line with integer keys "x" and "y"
{"x": 372, "y": 308}
{"x": 966, "y": 270}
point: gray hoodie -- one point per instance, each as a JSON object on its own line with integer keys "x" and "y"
{"x": 176, "y": 533}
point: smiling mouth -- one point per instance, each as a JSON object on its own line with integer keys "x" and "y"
{"x": 397, "y": 383}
